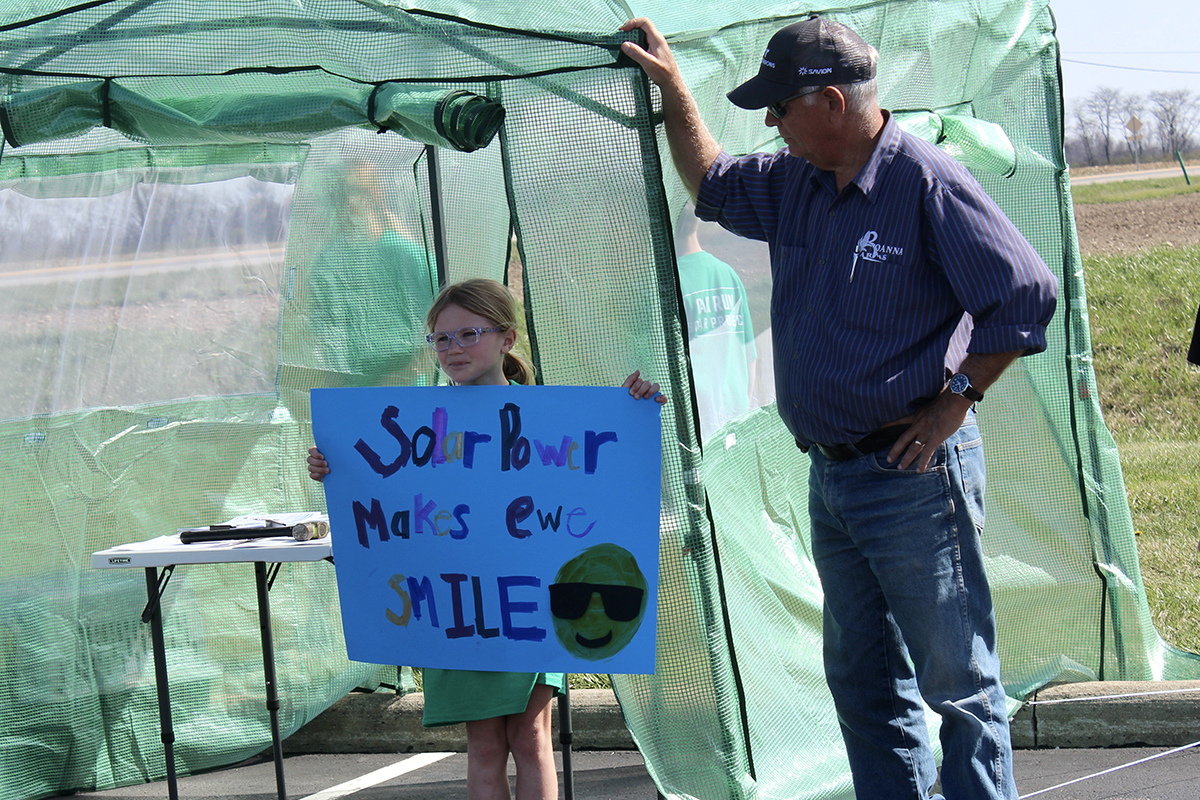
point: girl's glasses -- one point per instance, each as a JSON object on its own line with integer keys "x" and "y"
{"x": 463, "y": 337}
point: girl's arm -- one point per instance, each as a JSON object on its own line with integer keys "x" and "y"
{"x": 318, "y": 467}
{"x": 639, "y": 388}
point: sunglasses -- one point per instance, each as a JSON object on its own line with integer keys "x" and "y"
{"x": 778, "y": 109}
{"x": 571, "y": 600}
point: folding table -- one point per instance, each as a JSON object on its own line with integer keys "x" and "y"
{"x": 167, "y": 552}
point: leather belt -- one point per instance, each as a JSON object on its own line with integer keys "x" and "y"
{"x": 873, "y": 442}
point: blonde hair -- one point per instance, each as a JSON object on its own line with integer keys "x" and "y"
{"x": 495, "y": 303}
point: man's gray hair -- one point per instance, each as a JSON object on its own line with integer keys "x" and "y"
{"x": 860, "y": 97}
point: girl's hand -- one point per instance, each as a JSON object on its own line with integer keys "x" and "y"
{"x": 318, "y": 467}
{"x": 642, "y": 389}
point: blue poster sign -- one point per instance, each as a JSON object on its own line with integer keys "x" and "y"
{"x": 494, "y": 528}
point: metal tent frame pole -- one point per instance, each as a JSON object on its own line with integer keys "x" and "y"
{"x": 566, "y": 735}
{"x": 437, "y": 213}
{"x": 438, "y": 219}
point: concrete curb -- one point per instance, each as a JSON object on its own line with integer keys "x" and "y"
{"x": 1099, "y": 714}
{"x": 385, "y": 723}
{"x": 1110, "y": 714}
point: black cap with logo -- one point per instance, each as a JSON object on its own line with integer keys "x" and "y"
{"x": 815, "y": 52}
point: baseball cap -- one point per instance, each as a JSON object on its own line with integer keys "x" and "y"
{"x": 814, "y": 52}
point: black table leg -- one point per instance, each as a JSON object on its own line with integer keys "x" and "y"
{"x": 268, "y": 648}
{"x": 153, "y": 615}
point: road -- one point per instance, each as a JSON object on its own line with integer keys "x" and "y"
{"x": 1134, "y": 175}
{"x": 1155, "y": 773}
{"x": 254, "y": 261}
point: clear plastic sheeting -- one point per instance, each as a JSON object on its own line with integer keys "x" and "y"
{"x": 170, "y": 293}
{"x": 113, "y": 302}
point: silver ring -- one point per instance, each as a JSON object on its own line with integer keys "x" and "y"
{"x": 917, "y": 442}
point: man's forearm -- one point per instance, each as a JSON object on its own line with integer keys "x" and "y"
{"x": 984, "y": 369}
{"x": 693, "y": 149}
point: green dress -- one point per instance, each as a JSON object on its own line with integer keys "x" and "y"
{"x": 456, "y": 695}
{"x": 459, "y": 695}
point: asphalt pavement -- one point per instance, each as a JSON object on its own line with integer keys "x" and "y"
{"x": 1075, "y": 741}
{"x": 1156, "y": 773}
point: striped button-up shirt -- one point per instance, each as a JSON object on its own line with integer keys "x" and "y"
{"x": 870, "y": 286}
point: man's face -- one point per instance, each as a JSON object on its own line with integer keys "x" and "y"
{"x": 804, "y": 126}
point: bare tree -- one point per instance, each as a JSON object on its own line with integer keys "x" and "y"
{"x": 1085, "y": 131}
{"x": 1104, "y": 106}
{"x": 1176, "y": 114}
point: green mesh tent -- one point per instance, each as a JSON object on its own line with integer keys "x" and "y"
{"x": 208, "y": 208}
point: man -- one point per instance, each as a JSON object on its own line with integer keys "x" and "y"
{"x": 881, "y": 245}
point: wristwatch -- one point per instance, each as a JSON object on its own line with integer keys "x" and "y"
{"x": 961, "y": 384}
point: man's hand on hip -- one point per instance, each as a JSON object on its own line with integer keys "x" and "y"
{"x": 931, "y": 425}
{"x": 935, "y": 422}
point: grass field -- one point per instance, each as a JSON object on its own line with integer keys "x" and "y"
{"x": 1142, "y": 310}
{"x": 1118, "y": 191}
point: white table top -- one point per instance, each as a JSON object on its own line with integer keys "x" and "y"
{"x": 167, "y": 550}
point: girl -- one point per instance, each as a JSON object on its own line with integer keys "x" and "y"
{"x": 473, "y": 327}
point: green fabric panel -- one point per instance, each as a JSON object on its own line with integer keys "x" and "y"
{"x": 601, "y": 292}
{"x": 112, "y": 164}
{"x": 174, "y": 286}
{"x": 111, "y": 170}
{"x": 455, "y": 119}
{"x": 980, "y": 145}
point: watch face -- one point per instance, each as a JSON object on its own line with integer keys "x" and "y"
{"x": 959, "y": 383}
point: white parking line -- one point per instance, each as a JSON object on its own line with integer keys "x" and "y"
{"x": 378, "y": 776}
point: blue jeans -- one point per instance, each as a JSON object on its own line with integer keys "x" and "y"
{"x": 908, "y": 615}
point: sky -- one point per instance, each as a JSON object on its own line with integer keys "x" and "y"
{"x": 1145, "y": 46}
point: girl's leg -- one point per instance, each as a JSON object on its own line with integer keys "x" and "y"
{"x": 487, "y": 759}
{"x": 532, "y": 745}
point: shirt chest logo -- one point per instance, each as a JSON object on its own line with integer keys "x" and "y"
{"x": 869, "y": 248}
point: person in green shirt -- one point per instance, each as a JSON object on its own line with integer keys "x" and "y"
{"x": 368, "y": 289}
{"x": 720, "y": 331}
